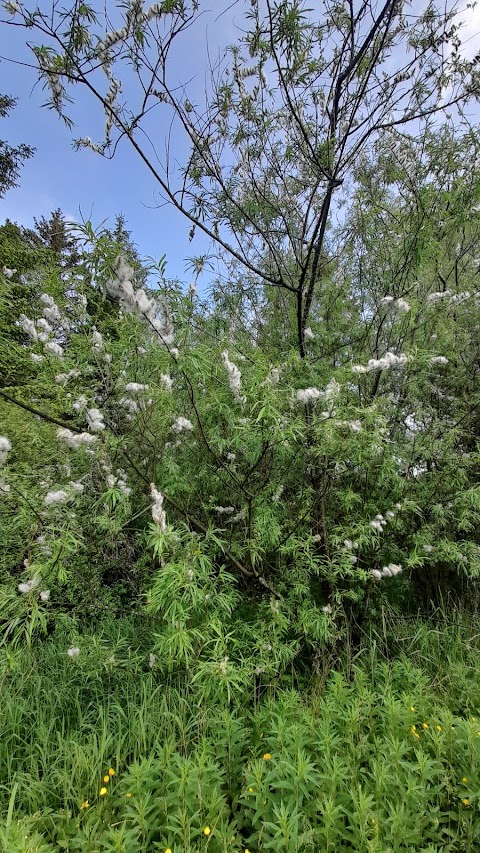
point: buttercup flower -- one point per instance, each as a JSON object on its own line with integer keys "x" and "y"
{"x": 106, "y": 779}
{"x": 466, "y": 802}
{"x": 128, "y": 795}
{"x": 111, "y": 772}
{"x": 425, "y": 726}
{"x": 464, "y": 780}
{"x": 85, "y": 804}
{"x": 102, "y": 792}
{"x": 207, "y": 831}
{"x": 267, "y": 756}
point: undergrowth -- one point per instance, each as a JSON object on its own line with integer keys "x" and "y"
{"x": 380, "y": 753}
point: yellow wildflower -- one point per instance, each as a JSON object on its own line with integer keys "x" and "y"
{"x": 111, "y": 772}
{"x": 414, "y": 728}
{"x": 439, "y": 728}
{"x": 85, "y": 804}
{"x": 103, "y": 791}
{"x": 466, "y": 802}
{"x": 424, "y": 725}
{"x": 128, "y": 795}
{"x": 247, "y": 850}
{"x": 168, "y": 850}
{"x": 250, "y": 790}
{"x": 267, "y": 756}
{"x": 464, "y": 780}
{"x": 106, "y": 779}
{"x": 412, "y": 708}
{"x": 207, "y": 831}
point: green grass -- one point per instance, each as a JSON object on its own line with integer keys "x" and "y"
{"x": 347, "y": 771}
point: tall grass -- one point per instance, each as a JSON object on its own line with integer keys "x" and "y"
{"x": 381, "y": 754}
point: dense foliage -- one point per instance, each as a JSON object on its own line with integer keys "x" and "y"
{"x": 11, "y": 157}
{"x": 212, "y": 496}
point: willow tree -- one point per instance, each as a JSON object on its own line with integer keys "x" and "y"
{"x": 288, "y": 463}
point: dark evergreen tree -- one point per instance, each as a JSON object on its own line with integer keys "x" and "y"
{"x": 53, "y": 234}
{"x": 11, "y": 158}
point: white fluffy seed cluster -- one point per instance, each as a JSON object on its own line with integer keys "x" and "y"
{"x": 181, "y": 424}
{"x": 166, "y": 381}
{"x": 400, "y": 304}
{"x": 130, "y": 405}
{"x": 73, "y": 652}
{"x": 354, "y": 426}
{"x": 311, "y": 395}
{"x": 387, "y": 572}
{"x": 12, "y": 7}
{"x": 225, "y": 510}
{"x": 438, "y": 359}
{"x": 63, "y": 496}
{"x": 439, "y": 296}
{"x": 97, "y": 340}
{"x": 53, "y": 78}
{"x": 158, "y": 513}
{"x": 135, "y": 17}
{"x": 138, "y": 302}
{"x": 234, "y": 377}
{"x": 384, "y": 363}
{"x": 5, "y": 448}
{"x": 118, "y": 482}
{"x": 8, "y": 273}
{"x": 50, "y": 310}
{"x": 63, "y": 378}
{"x": 86, "y": 142}
{"x": 74, "y": 440}
{"x": 308, "y": 395}
{"x": 114, "y": 89}
{"x": 80, "y": 403}
{"x": 135, "y": 388}
{"x": 273, "y": 377}
{"x": 453, "y": 299}
{"x": 41, "y": 331}
{"x": 278, "y": 493}
{"x": 380, "y": 521}
{"x": 32, "y": 585}
{"x": 29, "y": 586}
{"x": 95, "y": 420}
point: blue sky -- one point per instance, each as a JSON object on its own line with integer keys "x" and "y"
{"x": 82, "y": 181}
{"x": 57, "y": 176}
